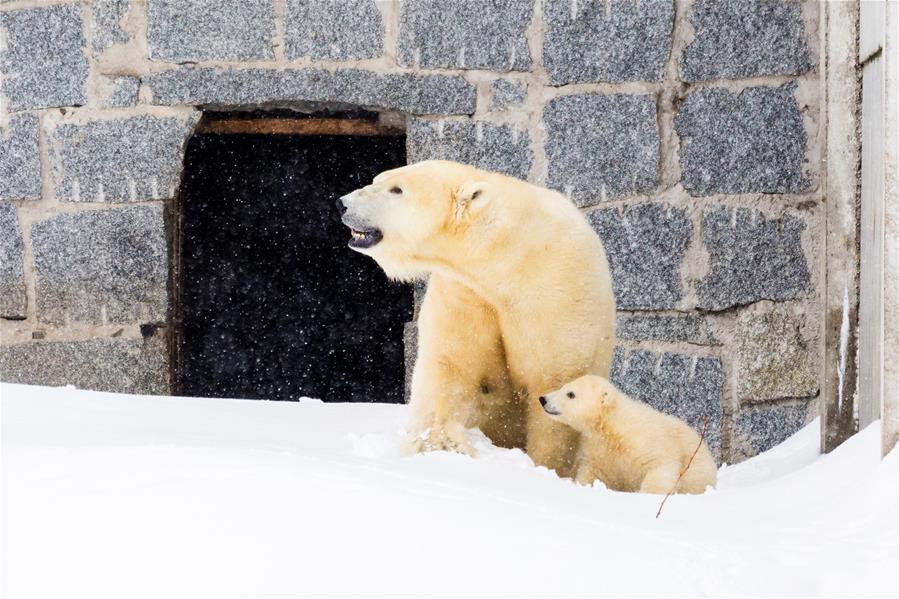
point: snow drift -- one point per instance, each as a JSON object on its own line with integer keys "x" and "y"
{"x": 108, "y": 494}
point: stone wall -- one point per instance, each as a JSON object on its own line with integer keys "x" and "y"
{"x": 687, "y": 132}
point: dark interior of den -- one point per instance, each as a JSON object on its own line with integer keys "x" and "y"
{"x": 270, "y": 303}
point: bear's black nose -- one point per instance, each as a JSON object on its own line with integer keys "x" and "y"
{"x": 543, "y": 401}
{"x": 341, "y": 207}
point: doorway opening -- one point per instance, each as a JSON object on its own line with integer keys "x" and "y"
{"x": 270, "y": 303}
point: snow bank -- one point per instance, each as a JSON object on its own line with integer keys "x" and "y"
{"x": 111, "y": 495}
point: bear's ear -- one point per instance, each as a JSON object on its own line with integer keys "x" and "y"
{"x": 471, "y": 196}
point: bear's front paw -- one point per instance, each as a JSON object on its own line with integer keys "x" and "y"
{"x": 452, "y": 439}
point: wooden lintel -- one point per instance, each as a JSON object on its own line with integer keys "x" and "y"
{"x": 288, "y": 126}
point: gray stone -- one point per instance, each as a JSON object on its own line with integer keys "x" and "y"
{"x": 499, "y": 148}
{"x": 749, "y": 142}
{"x": 773, "y": 360}
{"x": 410, "y": 351}
{"x": 759, "y": 428}
{"x": 196, "y": 30}
{"x": 596, "y": 40}
{"x": 43, "y": 62}
{"x": 12, "y": 252}
{"x": 120, "y": 92}
{"x": 101, "y": 266}
{"x": 689, "y": 387}
{"x": 419, "y": 288}
{"x": 20, "y": 161}
{"x": 690, "y": 328}
{"x": 746, "y": 38}
{"x": 328, "y": 30}
{"x": 602, "y": 146}
{"x": 404, "y": 92}
{"x": 462, "y": 34}
{"x": 751, "y": 258}
{"x": 107, "y": 30}
{"x": 123, "y": 160}
{"x": 645, "y": 244}
{"x": 115, "y": 365}
{"x": 506, "y": 94}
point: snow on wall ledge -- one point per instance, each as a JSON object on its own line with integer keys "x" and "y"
{"x": 688, "y": 132}
{"x": 162, "y": 496}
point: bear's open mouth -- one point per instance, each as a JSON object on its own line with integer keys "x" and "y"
{"x": 364, "y": 238}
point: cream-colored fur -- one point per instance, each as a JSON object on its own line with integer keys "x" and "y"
{"x": 519, "y": 301}
{"x": 627, "y": 444}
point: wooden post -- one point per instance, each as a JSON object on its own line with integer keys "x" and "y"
{"x": 839, "y": 24}
{"x": 870, "y": 316}
{"x": 878, "y": 314}
{"x": 890, "y": 408}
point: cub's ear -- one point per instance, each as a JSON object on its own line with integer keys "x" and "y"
{"x": 471, "y": 196}
{"x": 604, "y": 390}
{"x": 609, "y": 398}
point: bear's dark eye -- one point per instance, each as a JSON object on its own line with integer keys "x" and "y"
{"x": 570, "y": 394}
{"x": 396, "y": 190}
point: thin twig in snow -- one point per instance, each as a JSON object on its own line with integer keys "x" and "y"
{"x": 705, "y": 425}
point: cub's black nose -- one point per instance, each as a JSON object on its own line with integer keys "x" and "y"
{"x": 341, "y": 207}
{"x": 543, "y": 401}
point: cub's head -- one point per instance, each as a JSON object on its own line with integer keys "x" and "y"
{"x": 405, "y": 216}
{"x": 580, "y": 401}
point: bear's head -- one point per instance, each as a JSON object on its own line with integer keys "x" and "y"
{"x": 581, "y": 401}
{"x": 406, "y": 218}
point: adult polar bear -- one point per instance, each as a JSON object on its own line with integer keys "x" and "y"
{"x": 519, "y": 300}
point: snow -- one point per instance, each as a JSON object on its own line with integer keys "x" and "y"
{"x": 108, "y": 495}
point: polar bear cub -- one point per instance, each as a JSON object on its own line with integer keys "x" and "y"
{"x": 627, "y": 444}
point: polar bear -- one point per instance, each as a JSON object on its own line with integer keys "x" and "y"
{"x": 519, "y": 300}
{"x": 627, "y": 444}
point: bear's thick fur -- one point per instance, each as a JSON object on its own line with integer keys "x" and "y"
{"x": 627, "y": 444}
{"x": 519, "y": 300}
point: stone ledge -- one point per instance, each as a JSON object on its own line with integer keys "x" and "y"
{"x": 405, "y": 92}
{"x": 114, "y": 365}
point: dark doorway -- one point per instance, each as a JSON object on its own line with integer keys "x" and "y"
{"x": 271, "y": 303}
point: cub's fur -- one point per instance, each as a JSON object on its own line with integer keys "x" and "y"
{"x": 627, "y": 444}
